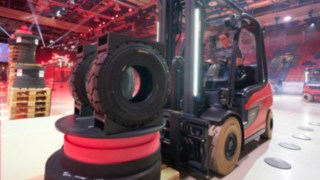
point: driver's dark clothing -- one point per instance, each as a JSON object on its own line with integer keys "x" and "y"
{"x": 245, "y": 75}
{"x": 221, "y": 57}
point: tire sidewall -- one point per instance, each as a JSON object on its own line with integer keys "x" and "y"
{"x": 77, "y": 81}
{"x": 269, "y": 125}
{"x": 225, "y": 166}
{"x": 309, "y": 97}
{"x": 113, "y": 103}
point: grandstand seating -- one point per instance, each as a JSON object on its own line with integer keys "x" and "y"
{"x": 305, "y": 56}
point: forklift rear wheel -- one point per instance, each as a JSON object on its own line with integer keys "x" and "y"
{"x": 307, "y": 97}
{"x": 226, "y": 146}
{"x": 269, "y": 126}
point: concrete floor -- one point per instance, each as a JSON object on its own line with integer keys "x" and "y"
{"x": 26, "y": 144}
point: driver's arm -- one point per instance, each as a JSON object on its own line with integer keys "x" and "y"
{"x": 209, "y": 61}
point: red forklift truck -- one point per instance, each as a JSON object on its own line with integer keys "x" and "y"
{"x": 210, "y": 119}
{"x": 311, "y": 88}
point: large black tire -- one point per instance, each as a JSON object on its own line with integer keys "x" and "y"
{"x": 77, "y": 78}
{"x": 30, "y": 77}
{"x": 307, "y": 97}
{"x": 226, "y": 146}
{"x": 24, "y": 51}
{"x": 105, "y": 88}
{"x": 269, "y": 126}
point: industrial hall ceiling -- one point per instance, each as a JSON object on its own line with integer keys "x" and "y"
{"x": 71, "y": 22}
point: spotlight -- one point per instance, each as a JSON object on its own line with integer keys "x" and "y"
{"x": 312, "y": 25}
{"x": 212, "y": 3}
{"x": 58, "y": 13}
{"x": 287, "y": 18}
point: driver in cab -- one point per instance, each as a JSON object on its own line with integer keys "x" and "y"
{"x": 222, "y": 57}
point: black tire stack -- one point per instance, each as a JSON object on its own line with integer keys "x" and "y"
{"x": 127, "y": 84}
{"x": 28, "y": 74}
{"x": 105, "y": 90}
{"x": 85, "y": 55}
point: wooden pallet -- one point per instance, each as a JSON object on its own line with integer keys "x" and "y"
{"x": 27, "y": 94}
{"x": 168, "y": 173}
{"x": 28, "y": 64}
{"x": 15, "y": 116}
{"x": 30, "y": 106}
{"x": 11, "y": 77}
{"x": 29, "y": 102}
{"x": 29, "y": 112}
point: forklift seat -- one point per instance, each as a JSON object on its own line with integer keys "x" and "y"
{"x": 212, "y": 97}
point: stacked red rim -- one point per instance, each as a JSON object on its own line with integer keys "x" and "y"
{"x": 124, "y": 158}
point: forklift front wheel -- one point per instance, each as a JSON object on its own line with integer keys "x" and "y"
{"x": 307, "y": 97}
{"x": 269, "y": 126}
{"x": 226, "y": 146}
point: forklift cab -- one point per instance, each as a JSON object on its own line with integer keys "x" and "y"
{"x": 233, "y": 85}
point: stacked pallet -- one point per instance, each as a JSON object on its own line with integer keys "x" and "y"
{"x": 11, "y": 77}
{"x": 29, "y": 102}
{"x": 27, "y": 95}
{"x": 12, "y": 62}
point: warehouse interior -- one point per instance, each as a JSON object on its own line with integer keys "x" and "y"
{"x": 42, "y": 117}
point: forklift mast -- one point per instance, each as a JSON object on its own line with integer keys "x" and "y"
{"x": 193, "y": 48}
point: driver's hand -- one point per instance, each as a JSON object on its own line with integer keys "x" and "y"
{"x": 209, "y": 61}
{"x": 223, "y": 62}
